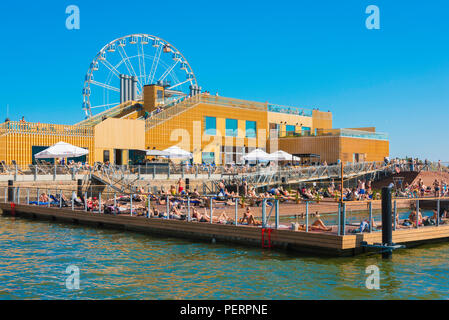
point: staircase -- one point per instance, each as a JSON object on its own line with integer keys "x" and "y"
{"x": 116, "y": 178}
{"x": 170, "y": 111}
{"x": 267, "y": 177}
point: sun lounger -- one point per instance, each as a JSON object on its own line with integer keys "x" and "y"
{"x": 15, "y": 167}
{"x": 5, "y": 167}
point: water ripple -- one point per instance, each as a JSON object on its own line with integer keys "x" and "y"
{"x": 120, "y": 265}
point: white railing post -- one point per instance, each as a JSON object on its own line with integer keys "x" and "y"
{"x": 395, "y": 210}
{"x": 236, "y": 210}
{"x": 211, "y": 209}
{"x": 264, "y": 213}
{"x": 417, "y": 214}
{"x": 276, "y": 213}
{"x": 168, "y": 207}
{"x": 339, "y": 217}
{"x": 438, "y": 212}
{"x": 307, "y": 216}
{"x": 115, "y": 203}
{"x": 188, "y": 209}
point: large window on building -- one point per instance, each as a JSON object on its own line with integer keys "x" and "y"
{"x": 105, "y": 155}
{"x": 231, "y": 127}
{"x": 305, "y": 131}
{"x": 210, "y": 126}
{"x": 208, "y": 157}
{"x": 290, "y": 129}
{"x": 251, "y": 129}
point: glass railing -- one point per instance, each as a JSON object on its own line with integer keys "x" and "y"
{"x": 361, "y": 134}
{"x": 45, "y": 129}
{"x": 289, "y": 110}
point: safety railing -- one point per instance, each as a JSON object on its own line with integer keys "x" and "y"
{"x": 271, "y": 212}
{"x": 15, "y": 127}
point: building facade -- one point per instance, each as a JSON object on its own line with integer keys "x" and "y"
{"x": 215, "y": 129}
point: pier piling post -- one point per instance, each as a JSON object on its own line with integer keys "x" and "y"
{"x": 10, "y": 190}
{"x": 307, "y": 216}
{"x": 387, "y": 234}
{"x": 236, "y": 210}
{"x": 370, "y": 217}
{"x": 80, "y": 188}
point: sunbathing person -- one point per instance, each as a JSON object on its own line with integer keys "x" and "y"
{"x": 195, "y": 194}
{"x": 249, "y": 218}
{"x": 317, "y": 225}
{"x": 43, "y": 197}
{"x": 411, "y": 221}
{"x": 285, "y": 194}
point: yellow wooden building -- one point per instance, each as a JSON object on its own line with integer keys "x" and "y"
{"x": 215, "y": 129}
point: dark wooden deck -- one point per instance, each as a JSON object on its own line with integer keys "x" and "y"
{"x": 316, "y": 243}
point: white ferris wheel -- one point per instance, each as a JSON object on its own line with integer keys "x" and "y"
{"x": 146, "y": 59}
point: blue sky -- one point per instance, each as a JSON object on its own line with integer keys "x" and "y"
{"x": 303, "y": 53}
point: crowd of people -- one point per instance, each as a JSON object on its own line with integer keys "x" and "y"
{"x": 439, "y": 188}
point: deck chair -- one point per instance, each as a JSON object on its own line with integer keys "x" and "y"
{"x": 2, "y": 170}
{"x": 5, "y": 167}
{"x": 16, "y": 166}
{"x": 43, "y": 166}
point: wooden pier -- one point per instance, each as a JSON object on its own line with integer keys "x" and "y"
{"x": 316, "y": 243}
